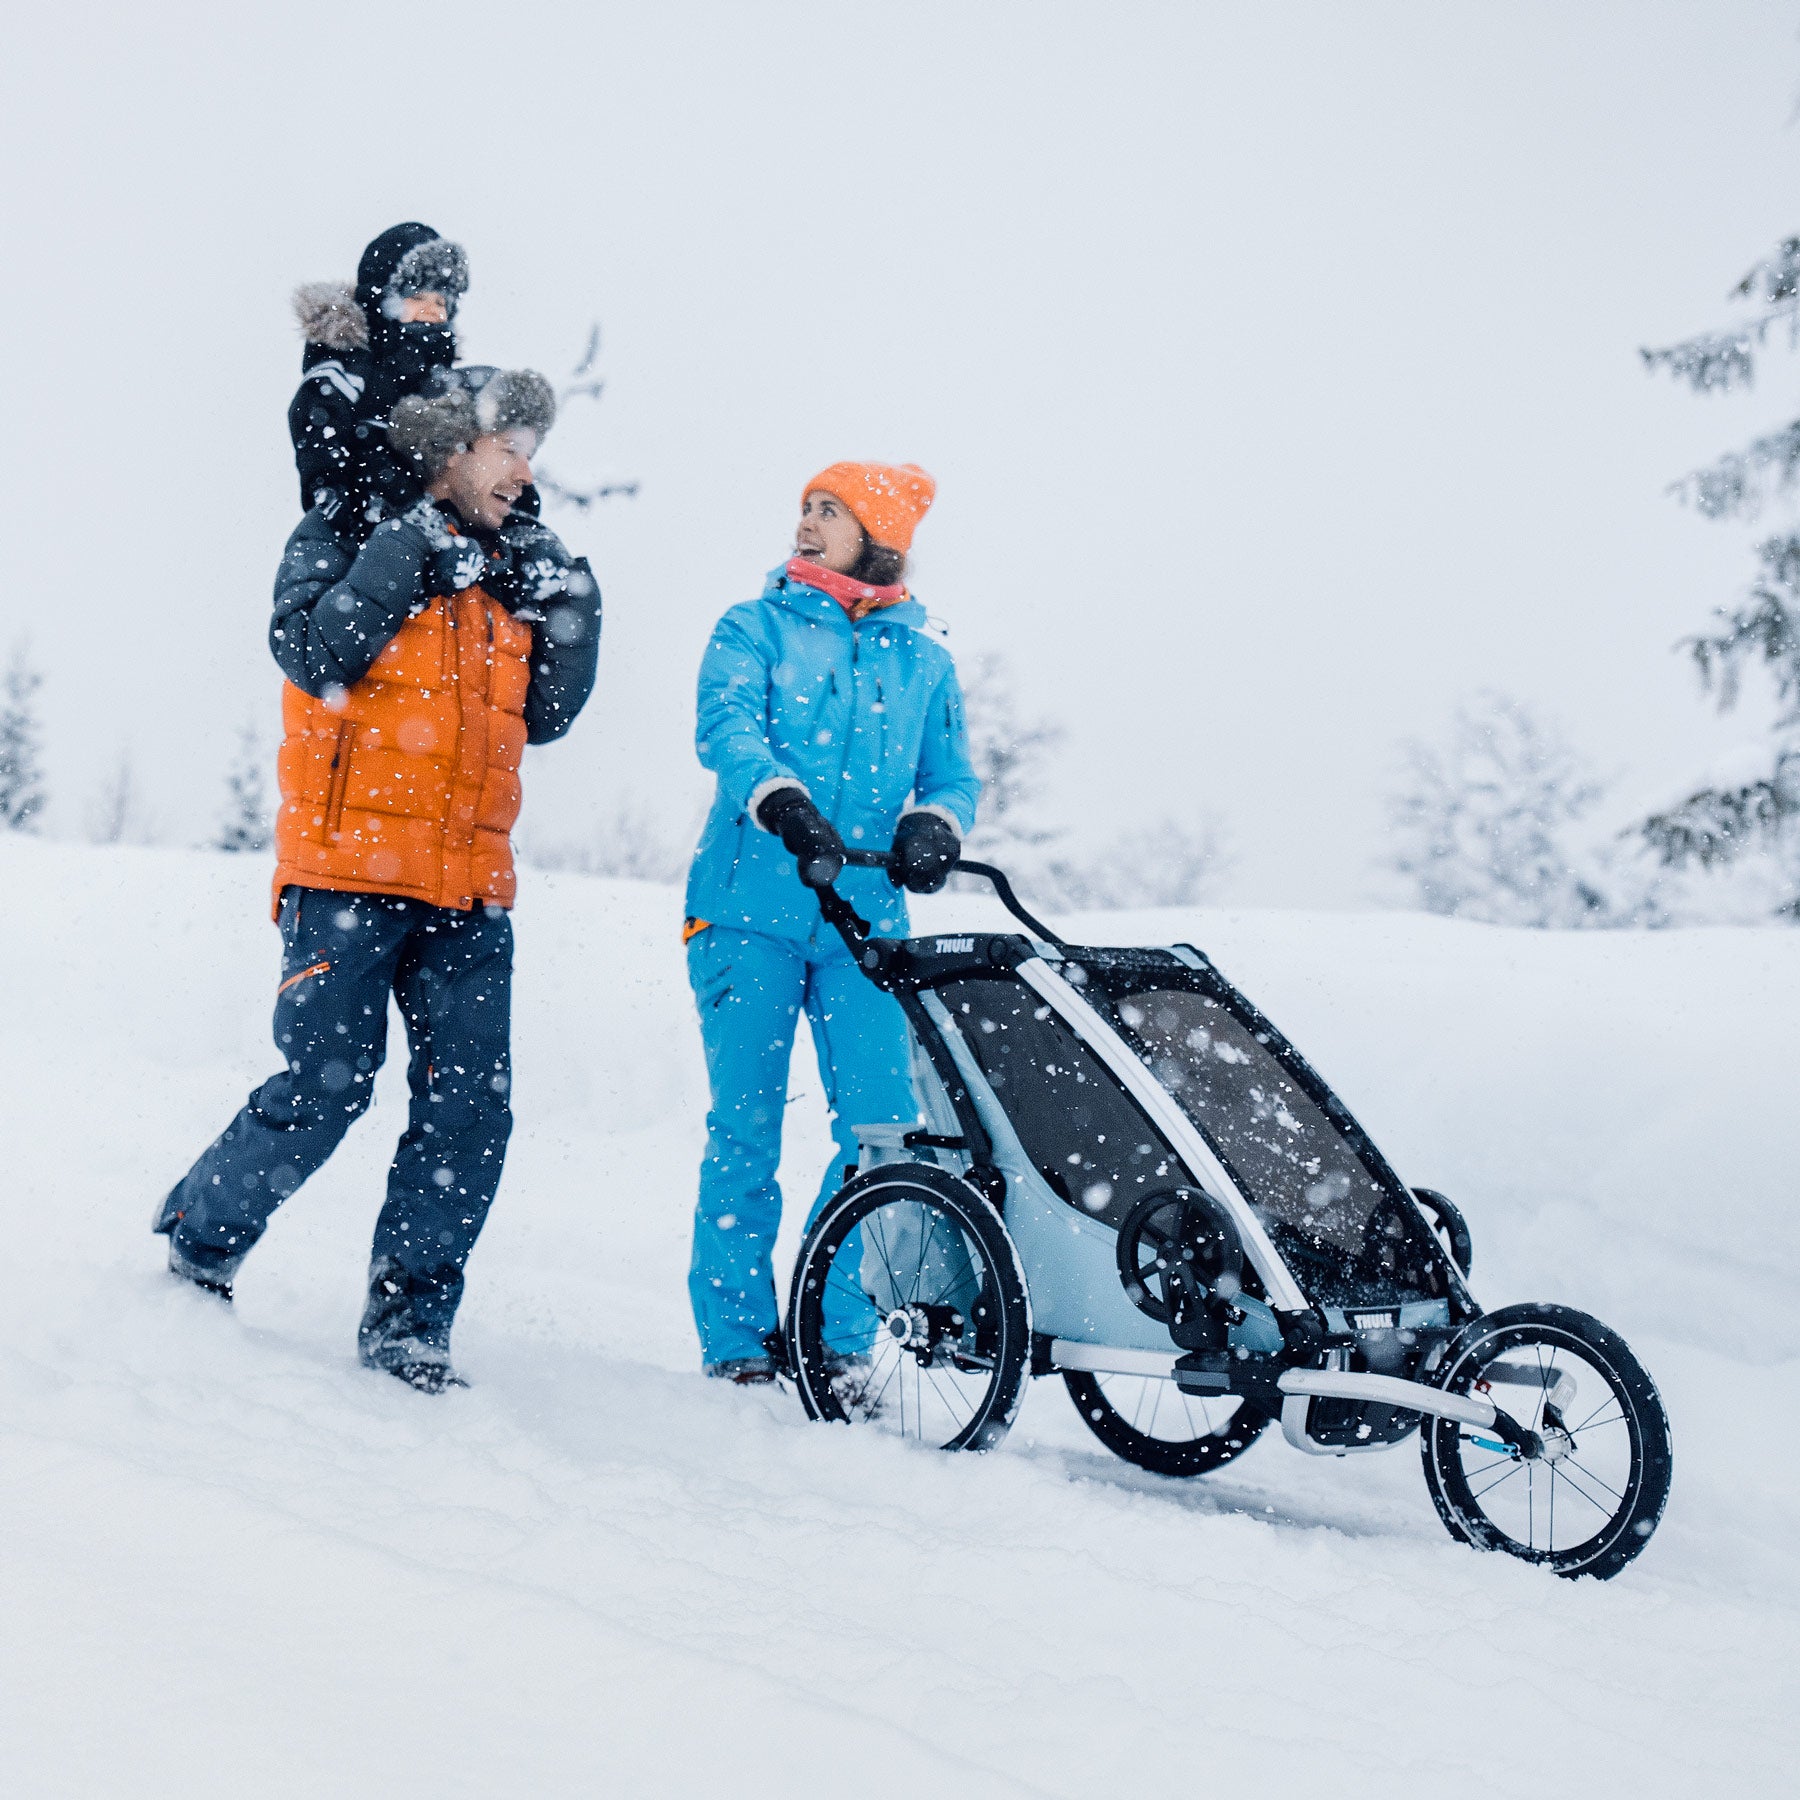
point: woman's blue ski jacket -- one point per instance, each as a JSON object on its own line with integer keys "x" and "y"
{"x": 868, "y": 717}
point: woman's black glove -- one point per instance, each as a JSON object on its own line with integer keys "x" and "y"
{"x": 925, "y": 851}
{"x": 808, "y": 836}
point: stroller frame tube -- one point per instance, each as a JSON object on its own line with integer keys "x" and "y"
{"x": 1328, "y": 1384}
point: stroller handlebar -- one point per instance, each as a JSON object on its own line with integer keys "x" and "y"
{"x": 839, "y": 912}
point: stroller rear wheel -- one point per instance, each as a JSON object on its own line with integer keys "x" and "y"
{"x": 1589, "y": 1503}
{"x": 1152, "y": 1423}
{"x": 908, "y": 1311}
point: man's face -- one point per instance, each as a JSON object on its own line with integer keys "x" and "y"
{"x": 485, "y": 481}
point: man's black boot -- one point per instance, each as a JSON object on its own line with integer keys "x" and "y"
{"x": 212, "y": 1271}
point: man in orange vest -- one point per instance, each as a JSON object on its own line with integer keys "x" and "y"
{"x": 418, "y": 669}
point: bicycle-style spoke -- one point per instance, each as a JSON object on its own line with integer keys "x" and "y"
{"x": 924, "y": 1258}
{"x": 1481, "y": 1493}
{"x": 1559, "y": 1473}
{"x": 1593, "y": 1422}
{"x": 1498, "y": 1462}
{"x": 874, "y": 1406}
{"x": 1595, "y": 1479}
{"x": 954, "y": 1397}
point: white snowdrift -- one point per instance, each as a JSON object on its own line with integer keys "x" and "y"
{"x": 233, "y": 1564}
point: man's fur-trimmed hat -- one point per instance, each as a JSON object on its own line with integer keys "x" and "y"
{"x": 476, "y": 402}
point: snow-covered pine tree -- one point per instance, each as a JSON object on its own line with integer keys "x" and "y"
{"x": 1488, "y": 827}
{"x": 244, "y": 825}
{"x": 22, "y": 792}
{"x": 1755, "y": 806}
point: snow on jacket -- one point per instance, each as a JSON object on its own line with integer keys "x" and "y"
{"x": 412, "y": 692}
{"x": 868, "y": 717}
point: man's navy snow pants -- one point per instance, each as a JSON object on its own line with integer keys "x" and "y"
{"x": 342, "y": 955}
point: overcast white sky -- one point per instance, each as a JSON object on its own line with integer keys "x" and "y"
{"x": 1277, "y": 363}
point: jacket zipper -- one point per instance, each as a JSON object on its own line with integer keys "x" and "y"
{"x": 340, "y": 776}
{"x": 466, "y": 875}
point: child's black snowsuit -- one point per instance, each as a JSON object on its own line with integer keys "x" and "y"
{"x": 360, "y": 359}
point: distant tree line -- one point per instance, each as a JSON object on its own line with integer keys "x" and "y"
{"x": 116, "y": 812}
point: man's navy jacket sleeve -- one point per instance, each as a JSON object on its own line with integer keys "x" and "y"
{"x": 334, "y": 615}
{"x": 565, "y": 655}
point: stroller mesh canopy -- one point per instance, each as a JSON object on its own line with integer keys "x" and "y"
{"x": 1084, "y": 1134}
{"x": 1347, "y": 1230}
{"x": 1343, "y": 1225}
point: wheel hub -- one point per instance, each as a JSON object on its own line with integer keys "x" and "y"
{"x": 908, "y": 1327}
{"x": 1555, "y": 1436}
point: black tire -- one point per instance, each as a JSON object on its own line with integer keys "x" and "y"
{"x": 941, "y": 1356}
{"x": 1448, "y": 1226}
{"x": 1610, "y": 1472}
{"x": 1204, "y": 1436}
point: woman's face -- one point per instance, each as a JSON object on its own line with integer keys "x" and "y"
{"x": 828, "y": 533}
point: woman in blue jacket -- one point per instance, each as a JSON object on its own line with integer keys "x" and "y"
{"x": 829, "y": 717}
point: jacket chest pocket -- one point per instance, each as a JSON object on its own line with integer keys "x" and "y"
{"x": 809, "y": 710}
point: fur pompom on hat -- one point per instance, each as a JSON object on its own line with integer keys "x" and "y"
{"x": 475, "y": 402}
{"x": 329, "y": 315}
{"x": 887, "y": 501}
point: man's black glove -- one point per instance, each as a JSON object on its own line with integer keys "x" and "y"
{"x": 456, "y": 561}
{"x": 533, "y": 568}
{"x": 925, "y": 851}
{"x": 808, "y": 836}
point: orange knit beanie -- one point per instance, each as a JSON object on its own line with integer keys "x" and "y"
{"x": 888, "y": 502}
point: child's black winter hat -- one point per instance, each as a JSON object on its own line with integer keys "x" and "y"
{"x": 410, "y": 259}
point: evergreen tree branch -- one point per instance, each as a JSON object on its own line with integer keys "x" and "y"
{"x": 1717, "y": 825}
{"x": 1765, "y": 629}
{"x": 1740, "y": 482}
{"x": 1719, "y": 361}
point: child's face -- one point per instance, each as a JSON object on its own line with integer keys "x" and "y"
{"x": 424, "y": 309}
{"x": 484, "y": 481}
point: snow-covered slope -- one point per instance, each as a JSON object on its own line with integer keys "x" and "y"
{"x": 233, "y": 1564}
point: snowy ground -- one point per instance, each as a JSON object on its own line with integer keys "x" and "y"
{"x": 232, "y": 1564}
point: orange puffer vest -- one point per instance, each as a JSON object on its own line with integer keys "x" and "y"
{"x": 409, "y": 783}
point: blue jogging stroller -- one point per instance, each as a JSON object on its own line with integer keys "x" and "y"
{"x": 1128, "y": 1178}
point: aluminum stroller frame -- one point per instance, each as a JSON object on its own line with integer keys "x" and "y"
{"x": 1126, "y": 1172}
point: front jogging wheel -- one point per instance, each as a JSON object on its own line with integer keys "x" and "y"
{"x": 1149, "y": 1421}
{"x": 1587, "y": 1504}
{"x": 908, "y": 1311}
